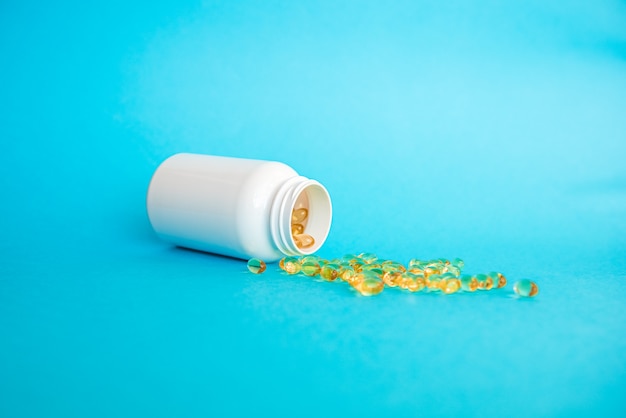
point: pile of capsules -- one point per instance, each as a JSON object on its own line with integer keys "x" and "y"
{"x": 369, "y": 275}
{"x": 298, "y": 221}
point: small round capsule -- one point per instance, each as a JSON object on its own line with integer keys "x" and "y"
{"x": 297, "y": 229}
{"x": 304, "y": 241}
{"x": 329, "y": 272}
{"x": 290, "y": 265}
{"x": 256, "y": 266}
{"x": 299, "y": 215}
{"x": 310, "y": 268}
{"x": 469, "y": 283}
{"x": 450, "y": 286}
{"x": 526, "y": 288}
{"x": 484, "y": 282}
{"x": 370, "y": 285}
{"x": 347, "y": 274}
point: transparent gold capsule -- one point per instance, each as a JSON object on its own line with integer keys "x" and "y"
{"x": 370, "y": 285}
{"x": 304, "y": 241}
{"x": 526, "y": 288}
{"x": 329, "y": 272}
{"x": 392, "y": 266}
{"x": 415, "y": 262}
{"x": 290, "y": 265}
{"x": 256, "y": 266}
{"x": 347, "y": 274}
{"x": 458, "y": 263}
{"x": 484, "y": 282}
{"x": 390, "y": 278}
{"x": 499, "y": 281}
{"x": 297, "y": 229}
{"x": 310, "y": 268}
{"x": 433, "y": 282}
{"x": 413, "y": 282}
{"x": 469, "y": 283}
{"x": 299, "y": 215}
{"x": 450, "y": 286}
{"x": 368, "y": 258}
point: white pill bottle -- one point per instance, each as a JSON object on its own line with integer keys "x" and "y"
{"x": 236, "y": 207}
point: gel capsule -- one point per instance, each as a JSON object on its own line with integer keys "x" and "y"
{"x": 526, "y": 288}
{"x": 290, "y": 265}
{"x": 310, "y": 268}
{"x": 256, "y": 266}
{"x": 370, "y": 285}
{"x": 450, "y": 286}
{"x": 499, "y": 280}
{"x": 299, "y": 215}
{"x": 329, "y": 272}
{"x": 469, "y": 283}
{"x": 297, "y": 229}
{"x": 484, "y": 282}
{"x": 304, "y": 240}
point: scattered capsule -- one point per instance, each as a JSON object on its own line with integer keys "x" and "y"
{"x": 469, "y": 283}
{"x": 310, "y": 268}
{"x": 297, "y": 229}
{"x": 450, "y": 286}
{"x": 368, "y": 258}
{"x": 290, "y": 265}
{"x": 370, "y": 285}
{"x": 454, "y": 270}
{"x": 304, "y": 241}
{"x": 391, "y": 278}
{"x": 433, "y": 282}
{"x": 526, "y": 288}
{"x": 499, "y": 281}
{"x": 347, "y": 274}
{"x": 414, "y": 282}
{"x": 299, "y": 215}
{"x": 256, "y": 266}
{"x": 458, "y": 263}
{"x": 484, "y": 282}
{"x": 329, "y": 272}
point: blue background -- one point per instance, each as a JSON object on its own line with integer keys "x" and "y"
{"x": 488, "y": 130}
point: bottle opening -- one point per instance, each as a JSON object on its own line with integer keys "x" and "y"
{"x": 315, "y": 201}
{"x": 303, "y": 216}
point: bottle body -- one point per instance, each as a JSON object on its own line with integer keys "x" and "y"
{"x": 230, "y": 206}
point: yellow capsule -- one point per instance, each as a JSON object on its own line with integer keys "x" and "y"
{"x": 392, "y": 266}
{"x": 416, "y": 263}
{"x": 304, "y": 241}
{"x": 310, "y": 268}
{"x": 499, "y": 281}
{"x": 413, "y": 282}
{"x": 390, "y": 278}
{"x": 433, "y": 282}
{"x": 347, "y": 274}
{"x": 370, "y": 285}
{"x": 297, "y": 229}
{"x": 329, "y": 272}
{"x": 256, "y": 266}
{"x": 484, "y": 282}
{"x": 299, "y": 215}
{"x": 526, "y": 288}
{"x": 451, "y": 286}
{"x": 368, "y": 258}
{"x": 290, "y": 265}
{"x": 469, "y": 283}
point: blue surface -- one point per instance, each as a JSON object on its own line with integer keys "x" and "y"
{"x": 491, "y": 131}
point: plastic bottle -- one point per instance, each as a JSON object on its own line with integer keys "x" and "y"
{"x": 236, "y": 207}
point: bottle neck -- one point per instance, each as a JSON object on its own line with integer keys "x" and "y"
{"x": 295, "y": 193}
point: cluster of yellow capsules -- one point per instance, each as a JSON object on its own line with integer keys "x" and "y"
{"x": 299, "y": 218}
{"x": 369, "y": 275}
